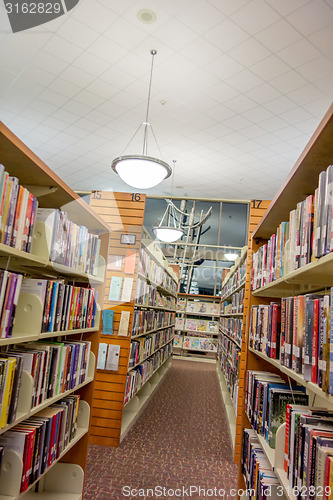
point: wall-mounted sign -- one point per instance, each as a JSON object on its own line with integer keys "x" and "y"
{"x": 128, "y": 239}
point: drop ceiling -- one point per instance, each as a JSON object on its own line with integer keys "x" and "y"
{"x": 239, "y": 86}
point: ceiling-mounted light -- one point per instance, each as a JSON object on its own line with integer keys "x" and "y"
{"x": 231, "y": 256}
{"x": 169, "y": 229}
{"x": 142, "y": 171}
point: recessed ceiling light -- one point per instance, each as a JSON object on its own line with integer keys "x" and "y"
{"x": 146, "y": 16}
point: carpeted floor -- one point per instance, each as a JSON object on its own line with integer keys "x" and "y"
{"x": 180, "y": 440}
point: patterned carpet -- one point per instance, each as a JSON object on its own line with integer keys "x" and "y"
{"x": 180, "y": 440}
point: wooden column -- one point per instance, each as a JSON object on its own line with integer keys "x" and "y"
{"x": 124, "y": 212}
{"x": 257, "y": 210}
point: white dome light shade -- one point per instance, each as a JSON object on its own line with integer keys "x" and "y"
{"x": 231, "y": 256}
{"x": 168, "y": 234}
{"x": 141, "y": 172}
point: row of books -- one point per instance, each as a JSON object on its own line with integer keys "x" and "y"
{"x": 40, "y": 440}
{"x": 229, "y": 351}
{"x": 70, "y": 245}
{"x": 148, "y": 295}
{"x": 232, "y": 327}
{"x": 302, "y": 340}
{"x": 143, "y": 347}
{"x": 266, "y": 398}
{"x": 137, "y": 377}
{"x": 18, "y": 209}
{"x": 230, "y": 376}
{"x": 197, "y": 306}
{"x": 147, "y": 320}
{"x": 199, "y": 344}
{"x": 197, "y": 325}
{"x": 10, "y": 287}
{"x": 309, "y": 451}
{"x": 156, "y": 272}
{"x": 260, "y": 480}
{"x": 235, "y": 281}
{"x": 65, "y": 307}
{"x": 236, "y": 306}
{"x": 265, "y": 329}
{"x": 55, "y": 367}
{"x": 307, "y": 236}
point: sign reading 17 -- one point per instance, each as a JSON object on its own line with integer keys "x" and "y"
{"x": 256, "y": 203}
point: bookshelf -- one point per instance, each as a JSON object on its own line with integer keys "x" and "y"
{"x": 152, "y": 331}
{"x": 151, "y": 298}
{"x": 70, "y": 461}
{"x": 313, "y": 276}
{"x": 196, "y": 324}
{"x": 230, "y": 337}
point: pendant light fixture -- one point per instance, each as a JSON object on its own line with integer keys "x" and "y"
{"x": 142, "y": 171}
{"x": 231, "y": 256}
{"x": 169, "y": 229}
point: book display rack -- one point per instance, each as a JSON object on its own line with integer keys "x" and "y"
{"x": 196, "y": 324}
{"x": 230, "y": 337}
{"x": 50, "y": 288}
{"x": 289, "y": 327}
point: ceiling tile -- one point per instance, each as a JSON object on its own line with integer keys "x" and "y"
{"x": 285, "y": 7}
{"x": 244, "y": 81}
{"x": 201, "y": 19}
{"x": 299, "y": 53}
{"x": 280, "y": 105}
{"x": 249, "y": 52}
{"x": 279, "y": 35}
{"x": 223, "y": 67}
{"x": 323, "y": 39}
{"x": 226, "y": 35}
{"x": 270, "y": 68}
{"x": 305, "y": 95}
{"x": 64, "y": 49}
{"x": 99, "y": 15}
{"x": 310, "y": 18}
{"x": 255, "y": 16}
{"x": 263, "y": 93}
{"x": 240, "y": 104}
{"x": 288, "y": 82}
{"x": 78, "y": 33}
{"x": 319, "y": 68}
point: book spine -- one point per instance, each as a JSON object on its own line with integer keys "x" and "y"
{"x": 315, "y": 341}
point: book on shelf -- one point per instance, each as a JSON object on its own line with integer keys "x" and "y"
{"x": 70, "y": 244}
{"x": 10, "y": 288}
{"x": 260, "y": 479}
{"x": 200, "y": 344}
{"x": 178, "y": 341}
{"x": 54, "y": 366}
{"x": 303, "y": 337}
{"x": 40, "y": 440}
{"x": 137, "y": 377}
{"x": 65, "y": 307}
{"x": 266, "y": 399}
{"x": 107, "y": 319}
{"x": 305, "y": 237}
{"x": 150, "y": 319}
{"x": 17, "y": 213}
{"x": 308, "y": 429}
{"x": 181, "y": 304}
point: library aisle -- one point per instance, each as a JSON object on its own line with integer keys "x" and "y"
{"x": 181, "y": 439}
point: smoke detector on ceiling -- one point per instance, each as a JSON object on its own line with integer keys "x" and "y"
{"x": 146, "y": 16}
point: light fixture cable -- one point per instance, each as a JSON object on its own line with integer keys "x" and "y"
{"x": 142, "y": 171}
